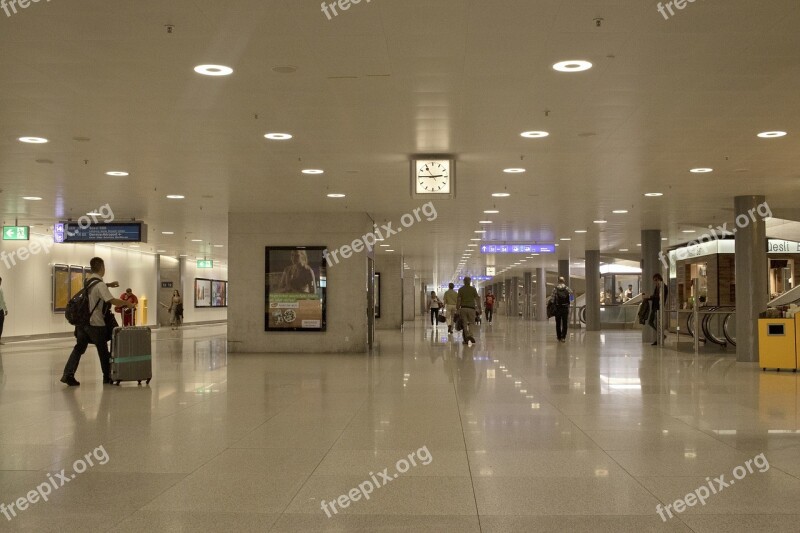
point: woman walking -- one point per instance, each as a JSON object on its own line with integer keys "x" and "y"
{"x": 434, "y": 303}
{"x": 175, "y": 310}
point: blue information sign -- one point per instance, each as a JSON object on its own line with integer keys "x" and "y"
{"x": 518, "y": 248}
{"x": 100, "y": 232}
{"x": 476, "y": 278}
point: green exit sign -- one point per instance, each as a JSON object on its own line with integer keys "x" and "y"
{"x": 16, "y": 233}
{"x": 205, "y": 263}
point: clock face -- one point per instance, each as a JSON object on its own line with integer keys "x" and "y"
{"x": 433, "y": 176}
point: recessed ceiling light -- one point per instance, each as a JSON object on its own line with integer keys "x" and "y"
{"x": 663, "y": 238}
{"x": 313, "y": 171}
{"x": 485, "y": 222}
{"x": 701, "y": 170}
{"x": 501, "y": 194}
{"x": 278, "y": 136}
{"x": 653, "y": 194}
{"x": 491, "y": 212}
{"x": 534, "y": 134}
{"x": 688, "y": 231}
{"x": 538, "y": 254}
{"x": 480, "y": 231}
{"x": 167, "y": 233}
{"x": 576, "y": 65}
{"x": 116, "y": 173}
{"x": 600, "y": 221}
{"x": 623, "y": 249}
{"x": 639, "y": 245}
{"x": 384, "y": 245}
{"x": 472, "y": 245}
{"x": 620, "y": 211}
{"x": 580, "y": 231}
{"x": 476, "y": 239}
{"x": 94, "y": 214}
{"x": 32, "y": 198}
{"x": 33, "y": 140}
{"x": 175, "y": 196}
{"x": 771, "y": 134}
{"x": 336, "y": 195}
{"x": 219, "y": 245}
{"x": 514, "y": 170}
{"x": 390, "y": 250}
{"x": 197, "y": 240}
{"x": 213, "y": 70}
{"x": 565, "y": 239}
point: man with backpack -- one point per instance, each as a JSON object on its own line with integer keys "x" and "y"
{"x": 561, "y": 297}
{"x": 88, "y": 316}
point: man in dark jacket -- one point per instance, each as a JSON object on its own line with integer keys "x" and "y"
{"x": 655, "y": 302}
{"x": 561, "y": 297}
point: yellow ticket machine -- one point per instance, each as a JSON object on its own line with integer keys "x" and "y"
{"x": 778, "y": 343}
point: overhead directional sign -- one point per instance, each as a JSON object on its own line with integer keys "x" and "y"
{"x": 476, "y": 278}
{"x": 16, "y": 233}
{"x": 100, "y": 232}
{"x": 205, "y": 263}
{"x": 518, "y": 248}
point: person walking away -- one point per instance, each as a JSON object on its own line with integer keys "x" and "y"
{"x": 433, "y": 306}
{"x": 450, "y": 303}
{"x": 560, "y": 296}
{"x": 96, "y": 332}
{"x": 655, "y": 302}
{"x": 468, "y": 302}
{"x": 128, "y": 315}
{"x": 3, "y": 310}
{"x": 488, "y": 304}
{"x": 629, "y": 293}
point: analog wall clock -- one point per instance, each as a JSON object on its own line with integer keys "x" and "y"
{"x": 432, "y": 177}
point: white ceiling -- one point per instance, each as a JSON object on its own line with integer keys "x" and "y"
{"x": 392, "y": 78}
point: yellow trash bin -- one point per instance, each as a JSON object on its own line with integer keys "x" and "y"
{"x": 777, "y": 343}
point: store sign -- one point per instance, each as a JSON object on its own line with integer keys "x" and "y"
{"x": 166, "y": 284}
{"x": 100, "y": 232}
{"x": 16, "y": 233}
{"x": 518, "y": 248}
{"x": 205, "y": 263}
{"x": 778, "y": 246}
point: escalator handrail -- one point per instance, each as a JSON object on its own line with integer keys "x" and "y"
{"x": 704, "y": 323}
{"x": 731, "y": 339}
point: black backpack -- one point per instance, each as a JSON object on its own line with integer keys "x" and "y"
{"x": 562, "y": 296}
{"x": 78, "y": 312}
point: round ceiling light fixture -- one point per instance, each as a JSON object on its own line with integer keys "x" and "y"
{"x": 534, "y": 134}
{"x": 573, "y": 65}
{"x": 33, "y": 140}
{"x": 278, "y": 136}
{"x": 213, "y": 70}
{"x": 772, "y": 134}
{"x": 313, "y": 171}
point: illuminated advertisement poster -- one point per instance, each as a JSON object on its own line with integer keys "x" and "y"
{"x": 296, "y": 281}
{"x": 219, "y": 293}
{"x": 60, "y": 288}
{"x": 202, "y": 292}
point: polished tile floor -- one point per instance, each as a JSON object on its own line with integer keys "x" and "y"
{"x": 518, "y": 433}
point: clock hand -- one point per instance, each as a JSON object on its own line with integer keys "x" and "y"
{"x": 437, "y": 176}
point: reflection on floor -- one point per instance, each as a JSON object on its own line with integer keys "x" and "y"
{"x": 518, "y": 433}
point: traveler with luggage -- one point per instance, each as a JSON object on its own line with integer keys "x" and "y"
{"x": 450, "y": 303}
{"x": 87, "y": 312}
{"x": 468, "y": 305}
{"x": 561, "y": 299}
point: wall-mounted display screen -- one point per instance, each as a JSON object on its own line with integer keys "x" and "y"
{"x": 296, "y": 287}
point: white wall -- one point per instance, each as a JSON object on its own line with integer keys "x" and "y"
{"x": 201, "y": 314}
{"x": 28, "y": 284}
{"x": 249, "y": 234}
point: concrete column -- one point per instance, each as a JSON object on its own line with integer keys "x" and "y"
{"x": 541, "y": 295}
{"x": 528, "y": 282}
{"x": 751, "y": 274}
{"x": 592, "y": 290}
{"x": 391, "y": 270}
{"x": 409, "y": 295}
{"x": 515, "y": 296}
{"x": 651, "y": 248}
{"x": 563, "y": 269}
{"x": 509, "y": 297}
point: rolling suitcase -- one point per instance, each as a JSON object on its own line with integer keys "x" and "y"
{"x": 131, "y": 356}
